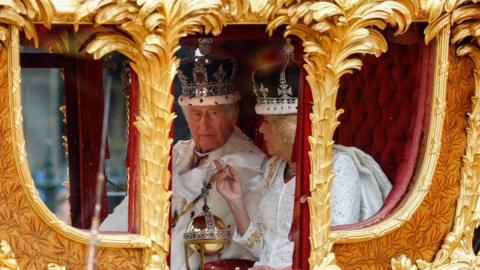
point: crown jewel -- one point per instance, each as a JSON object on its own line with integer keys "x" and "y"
{"x": 276, "y": 86}
{"x": 207, "y": 79}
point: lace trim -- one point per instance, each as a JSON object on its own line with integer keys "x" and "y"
{"x": 272, "y": 169}
{"x": 253, "y": 239}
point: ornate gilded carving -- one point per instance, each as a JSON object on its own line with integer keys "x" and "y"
{"x": 402, "y": 263}
{"x": 243, "y": 11}
{"x": 54, "y": 266}
{"x": 457, "y": 247}
{"x": 7, "y": 258}
{"x": 438, "y": 16}
{"x": 421, "y": 236}
{"x": 150, "y": 34}
{"x": 37, "y": 236}
{"x": 155, "y": 262}
{"x": 332, "y": 33}
{"x": 22, "y": 14}
{"x": 426, "y": 168}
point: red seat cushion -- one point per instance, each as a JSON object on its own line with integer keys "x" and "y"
{"x": 229, "y": 264}
{"x": 384, "y": 115}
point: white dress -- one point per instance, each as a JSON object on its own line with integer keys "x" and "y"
{"x": 268, "y": 233}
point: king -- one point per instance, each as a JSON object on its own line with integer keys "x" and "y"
{"x": 209, "y": 103}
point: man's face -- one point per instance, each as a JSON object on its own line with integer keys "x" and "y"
{"x": 210, "y": 126}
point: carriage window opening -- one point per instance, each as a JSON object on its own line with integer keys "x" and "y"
{"x": 63, "y": 96}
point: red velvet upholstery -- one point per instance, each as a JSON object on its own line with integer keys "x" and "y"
{"x": 385, "y": 110}
{"x": 385, "y": 105}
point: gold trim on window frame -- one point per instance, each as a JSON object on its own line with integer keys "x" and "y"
{"x": 424, "y": 173}
{"x": 21, "y": 161}
{"x": 333, "y": 32}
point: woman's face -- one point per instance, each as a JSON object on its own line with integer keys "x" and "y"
{"x": 273, "y": 140}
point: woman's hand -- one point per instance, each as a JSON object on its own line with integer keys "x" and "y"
{"x": 228, "y": 184}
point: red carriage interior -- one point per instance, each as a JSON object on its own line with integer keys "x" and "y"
{"x": 385, "y": 114}
{"x": 385, "y": 104}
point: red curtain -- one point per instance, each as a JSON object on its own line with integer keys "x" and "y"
{"x": 132, "y": 156}
{"x": 301, "y": 215}
{"x": 85, "y": 101}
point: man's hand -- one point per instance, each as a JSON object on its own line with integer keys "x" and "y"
{"x": 228, "y": 184}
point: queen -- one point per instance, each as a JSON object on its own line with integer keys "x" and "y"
{"x": 358, "y": 190}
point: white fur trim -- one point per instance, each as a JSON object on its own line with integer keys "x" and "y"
{"x": 209, "y": 100}
{"x": 276, "y": 108}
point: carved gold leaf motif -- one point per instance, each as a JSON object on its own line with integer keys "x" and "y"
{"x": 402, "y": 263}
{"x": 22, "y": 14}
{"x": 7, "y": 258}
{"x": 150, "y": 34}
{"x": 54, "y": 266}
{"x": 457, "y": 246}
{"x": 332, "y": 33}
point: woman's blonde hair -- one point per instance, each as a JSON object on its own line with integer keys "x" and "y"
{"x": 285, "y": 126}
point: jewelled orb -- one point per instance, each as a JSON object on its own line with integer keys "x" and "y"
{"x": 206, "y": 234}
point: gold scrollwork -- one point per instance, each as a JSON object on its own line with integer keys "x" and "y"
{"x": 238, "y": 11}
{"x": 151, "y": 31}
{"x": 438, "y": 16}
{"x": 21, "y": 14}
{"x": 7, "y": 258}
{"x": 403, "y": 263}
{"x": 332, "y": 33}
{"x": 155, "y": 262}
{"x": 54, "y": 266}
{"x": 457, "y": 251}
{"x": 457, "y": 247}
